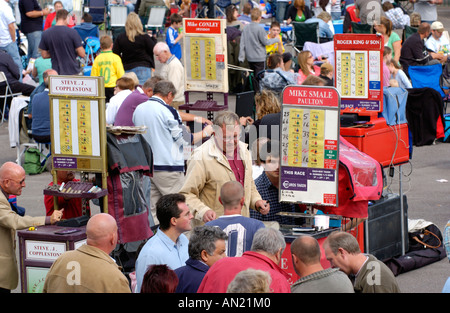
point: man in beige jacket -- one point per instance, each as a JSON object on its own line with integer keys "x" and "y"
{"x": 220, "y": 159}
{"x": 89, "y": 268}
{"x": 12, "y": 180}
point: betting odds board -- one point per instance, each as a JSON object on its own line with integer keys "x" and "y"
{"x": 205, "y": 55}
{"x": 77, "y": 124}
{"x": 309, "y": 145}
{"x": 359, "y": 72}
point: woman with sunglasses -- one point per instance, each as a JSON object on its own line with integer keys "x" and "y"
{"x": 307, "y": 67}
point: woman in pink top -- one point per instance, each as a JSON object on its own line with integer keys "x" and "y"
{"x": 307, "y": 67}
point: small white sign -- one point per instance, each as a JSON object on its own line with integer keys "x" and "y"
{"x": 78, "y": 244}
{"x": 44, "y": 250}
{"x": 73, "y": 86}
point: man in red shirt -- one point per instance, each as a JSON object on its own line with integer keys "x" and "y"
{"x": 72, "y": 206}
{"x": 267, "y": 248}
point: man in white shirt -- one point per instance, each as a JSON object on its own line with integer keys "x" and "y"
{"x": 171, "y": 70}
{"x": 8, "y": 34}
{"x": 437, "y": 42}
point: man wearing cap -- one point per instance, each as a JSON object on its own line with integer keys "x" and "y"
{"x": 437, "y": 42}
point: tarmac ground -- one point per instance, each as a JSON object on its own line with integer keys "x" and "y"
{"x": 425, "y": 181}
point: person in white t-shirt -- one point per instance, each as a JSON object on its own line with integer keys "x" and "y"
{"x": 437, "y": 42}
{"x": 8, "y": 34}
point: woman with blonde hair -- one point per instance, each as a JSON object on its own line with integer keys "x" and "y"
{"x": 307, "y": 67}
{"x": 266, "y": 102}
{"x": 135, "y": 47}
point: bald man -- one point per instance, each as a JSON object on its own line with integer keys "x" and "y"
{"x": 12, "y": 180}
{"x": 305, "y": 252}
{"x": 240, "y": 229}
{"x": 89, "y": 269}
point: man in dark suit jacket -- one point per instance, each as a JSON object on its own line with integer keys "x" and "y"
{"x": 206, "y": 246}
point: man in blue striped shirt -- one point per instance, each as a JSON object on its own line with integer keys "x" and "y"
{"x": 267, "y": 185}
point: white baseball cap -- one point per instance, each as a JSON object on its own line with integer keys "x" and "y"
{"x": 437, "y": 26}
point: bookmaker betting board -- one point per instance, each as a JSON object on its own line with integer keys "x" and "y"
{"x": 359, "y": 71}
{"x": 309, "y": 145}
{"x": 205, "y": 55}
{"x": 77, "y": 125}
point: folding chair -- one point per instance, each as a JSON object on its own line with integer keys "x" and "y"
{"x": 408, "y": 31}
{"x": 304, "y": 32}
{"x": 118, "y": 16}
{"x": 358, "y": 28}
{"x": 426, "y": 76}
{"x": 156, "y": 18}
{"x": 96, "y": 8}
{"x": 8, "y": 94}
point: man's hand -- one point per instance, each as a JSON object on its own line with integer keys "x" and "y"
{"x": 209, "y": 215}
{"x": 246, "y": 120}
{"x": 262, "y": 206}
{"x": 56, "y": 216}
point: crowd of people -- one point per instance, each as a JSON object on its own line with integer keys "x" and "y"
{"x": 217, "y": 211}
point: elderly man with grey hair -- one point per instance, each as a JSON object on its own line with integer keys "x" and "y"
{"x": 267, "y": 248}
{"x": 167, "y": 137}
{"x": 220, "y": 159}
{"x": 171, "y": 69}
{"x": 206, "y": 247}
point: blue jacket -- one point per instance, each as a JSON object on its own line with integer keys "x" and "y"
{"x": 40, "y": 123}
{"x": 190, "y": 276}
{"x": 324, "y": 29}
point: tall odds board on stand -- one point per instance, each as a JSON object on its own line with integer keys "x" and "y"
{"x": 359, "y": 72}
{"x": 77, "y": 125}
{"x": 309, "y": 145}
{"x": 205, "y": 55}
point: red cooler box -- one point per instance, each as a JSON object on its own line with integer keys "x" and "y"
{"x": 387, "y": 144}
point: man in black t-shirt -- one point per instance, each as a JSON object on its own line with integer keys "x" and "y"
{"x": 31, "y": 22}
{"x": 62, "y": 44}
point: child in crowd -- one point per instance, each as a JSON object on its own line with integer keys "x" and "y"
{"x": 387, "y": 57}
{"x": 253, "y": 43}
{"x": 173, "y": 37}
{"x": 326, "y": 73}
{"x": 274, "y": 32}
{"x": 109, "y": 65}
{"x": 397, "y": 73}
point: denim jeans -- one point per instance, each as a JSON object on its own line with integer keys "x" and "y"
{"x": 281, "y": 10}
{"x": 34, "y": 39}
{"x": 13, "y": 50}
{"x": 143, "y": 73}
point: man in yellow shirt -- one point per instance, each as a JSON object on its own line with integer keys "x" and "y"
{"x": 109, "y": 65}
{"x": 275, "y": 31}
